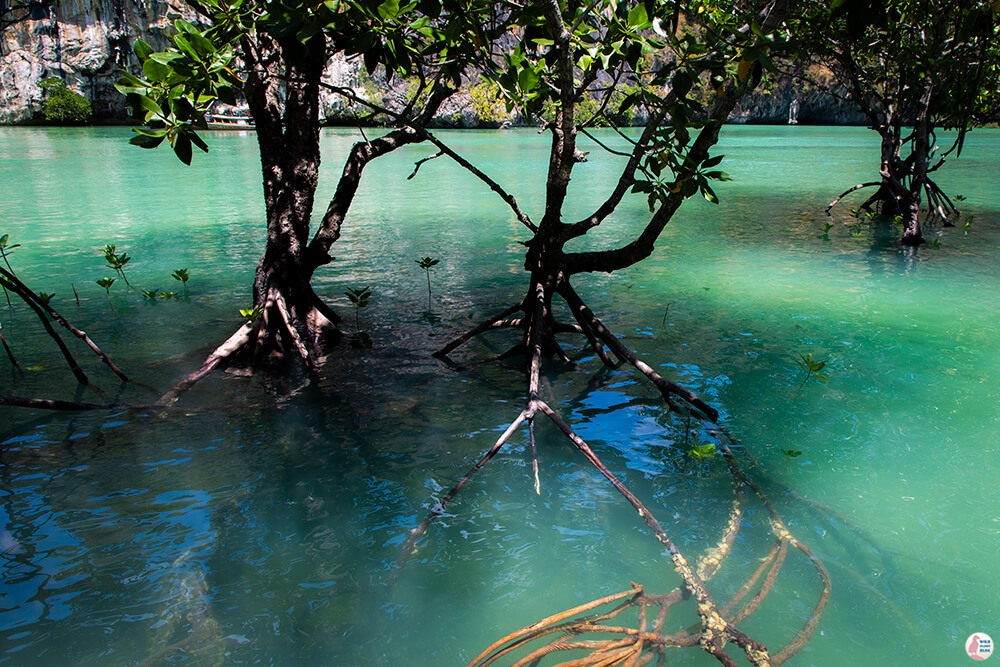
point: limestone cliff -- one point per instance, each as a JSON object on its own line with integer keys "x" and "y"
{"x": 87, "y": 42}
{"x": 83, "y": 42}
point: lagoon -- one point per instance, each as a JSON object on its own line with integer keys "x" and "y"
{"x": 261, "y": 522}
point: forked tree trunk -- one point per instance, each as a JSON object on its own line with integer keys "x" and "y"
{"x": 292, "y": 320}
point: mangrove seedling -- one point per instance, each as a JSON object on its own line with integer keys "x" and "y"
{"x": 181, "y": 275}
{"x": 359, "y": 299}
{"x": 106, "y": 283}
{"x": 150, "y": 294}
{"x": 811, "y": 367}
{"x": 168, "y": 295}
{"x": 251, "y": 314}
{"x": 426, "y": 263}
{"x": 705, "y": 451}
{"x": 116, "y": 261}
{"x": 790, "y": 453}
{"x": 5, "y": 247}
{"x": 45, "y": 297}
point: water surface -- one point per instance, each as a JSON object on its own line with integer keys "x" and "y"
{"x": 262, "y": 521}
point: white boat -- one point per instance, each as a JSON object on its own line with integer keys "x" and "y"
{"x": 218, "y": 121}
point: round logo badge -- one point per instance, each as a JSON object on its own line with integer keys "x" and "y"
{"x": 979, "y": 646}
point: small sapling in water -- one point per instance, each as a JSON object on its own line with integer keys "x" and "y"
{"x": 106, "y": 283}
{"x": 116, "y": 261}
{"x": 426, "y": 263}
{"x": 811, "y": 367}
{"x": 359, "y": 299}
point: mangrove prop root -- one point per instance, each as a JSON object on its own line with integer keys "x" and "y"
{"x": 42, "y": 309}
{"x": 216, "y": 359}
{"x": 276, "y": 331}
{"x": 10, "y": 353}
{"x": 578, "y": 630}
{"x": 494, "y": 322}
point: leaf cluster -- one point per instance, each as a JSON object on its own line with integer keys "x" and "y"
{"x": 887, "y": 53}
{"x": 177, "y": 88}
{"x": 812, "y": 367}
{"x": 359, "y": 296}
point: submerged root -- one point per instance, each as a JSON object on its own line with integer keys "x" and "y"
{"x": 576, "y": 631}
{"x": 277, "y": 332}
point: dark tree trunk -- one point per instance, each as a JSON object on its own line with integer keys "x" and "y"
{"x": 292, "y": 320}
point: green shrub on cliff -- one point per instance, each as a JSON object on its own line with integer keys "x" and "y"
{"x": 62, "y": 105}
{"x": 487, "y": 103}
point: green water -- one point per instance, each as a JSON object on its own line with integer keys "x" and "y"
{"x": 261, "y": 524}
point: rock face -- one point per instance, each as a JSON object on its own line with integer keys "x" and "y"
{"x": 86, "y": 43}
{"x": 83, "y": 42}
{"x": 771, "y": 105}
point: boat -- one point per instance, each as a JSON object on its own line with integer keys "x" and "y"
{"x": 217, "y": 121}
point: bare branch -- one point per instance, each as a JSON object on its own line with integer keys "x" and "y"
{"x": 492, "y": 323}
{"x": 418, "y": 163}
{"x": 849, "y": 191}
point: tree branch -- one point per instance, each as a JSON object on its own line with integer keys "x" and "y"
{"x": 843, "y": 194}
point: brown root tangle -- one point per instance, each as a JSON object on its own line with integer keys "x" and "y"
{"x": 583, "y": 631}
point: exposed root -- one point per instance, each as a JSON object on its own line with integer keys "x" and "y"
{"x": 10, "y": 353}
{"x": 45, "y": 312}
{"x": 621, "y": 645}
{"x": 220, "y": 356}
{"x": 276, "y": 332}
{"x": 495, "y": 322}
{"x": 848, "y": 191}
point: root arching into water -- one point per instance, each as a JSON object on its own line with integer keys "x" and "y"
{"x": 593, "y": 634}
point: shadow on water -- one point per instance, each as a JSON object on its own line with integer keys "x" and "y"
{"x": 251, "y": 529}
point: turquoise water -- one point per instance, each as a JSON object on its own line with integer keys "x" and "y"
{"x": 261, "y": 523}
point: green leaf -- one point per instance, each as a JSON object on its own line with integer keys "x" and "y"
{"x": 388, "y": 10}
{"x": 371, "y": 57}
{"x": 149, "y": 132}
{"x": 155, "y": 71}
{"x": 681, "y": 83}
{"x": 150, "y": 106}
{"x": 706, "y": 451}
{"x": 637, "y": 17}
{"x": 527, "y": 79}
{"x": 182, "y": 148}
{"x": 165, "y": 57}
{"x": 226, "y": 94}
{"x": 198, "y": 141}
{"x": 183, "y": 26}
{"x": 184, "y": 45}
{"x": 202, "y": 45}
{"x": 146, "y": 141}
{"x": 129, "y": 83}
{"x": 142, "y": 50}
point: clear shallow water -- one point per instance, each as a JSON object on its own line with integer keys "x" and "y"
{"x": 246, "y": 530}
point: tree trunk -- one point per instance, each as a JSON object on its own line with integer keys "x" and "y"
{"x": 291, "y": 318}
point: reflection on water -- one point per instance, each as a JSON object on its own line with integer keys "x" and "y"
{"x": 250, "y": 529}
